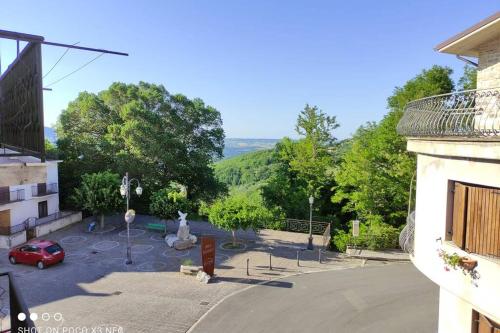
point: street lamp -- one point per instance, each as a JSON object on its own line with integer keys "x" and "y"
{"x": 125, "y": 192}
{"x": 310, "y": 244}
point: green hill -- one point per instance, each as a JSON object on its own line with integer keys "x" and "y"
{"x": 246, "y": 169}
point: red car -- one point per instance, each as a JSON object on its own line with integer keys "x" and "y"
{"x": 41, "y": 253}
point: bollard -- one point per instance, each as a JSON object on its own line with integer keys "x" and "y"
{"x": 247, "y": 266}
{"x": 270, "y": 265}
{"x": 298, "y": 263}
{"x": 319, "y": 256}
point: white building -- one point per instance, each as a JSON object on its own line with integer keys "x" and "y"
{"x": 29, "y": 200}
{"x": 457, "y": 216}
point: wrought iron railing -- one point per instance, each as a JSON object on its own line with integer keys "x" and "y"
{"x": 51, "y": 217}
{"x": 468, "y": 114}
{"x": 10, "y": 294}
{"x": 295, "y": 225}
{"x": 44, "y": 189}
{"x": 7, "y": 196}
{"x": 33, "y": 222}
{"x": 407, "y": 235}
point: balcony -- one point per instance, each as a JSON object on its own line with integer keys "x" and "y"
{"x": 407, "y": 235}
{"x": 44, "y": 189}
{"x": 12, "y": 300}
{"x": 7, "y": 196}
{"x": 470, "y": 114}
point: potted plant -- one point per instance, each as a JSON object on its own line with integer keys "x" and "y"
{"x": 468, "y": 263}
{"x": 188, "y": 267}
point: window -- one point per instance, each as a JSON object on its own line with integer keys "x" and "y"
{"x": 482, "y": 324}
{"x": 476, "y": 219}
{"x": 53, "y": 248}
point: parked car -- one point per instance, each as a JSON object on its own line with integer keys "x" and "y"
{"x": 41, "y": 253}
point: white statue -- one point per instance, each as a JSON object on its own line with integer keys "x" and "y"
{"x": 183, "y": 239}
{"x": 182, "y": 218}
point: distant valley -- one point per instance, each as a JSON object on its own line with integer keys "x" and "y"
{"x": 233, "y": 146}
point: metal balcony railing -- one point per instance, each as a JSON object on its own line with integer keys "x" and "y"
{"x": 32, "y": 222}
{"x": 12, "y": 301}
{"x": 465, "y": 114}
{"x": 407, "y": 235}
{"x": 44, "y": 189}
{"x": 7, "y": 196}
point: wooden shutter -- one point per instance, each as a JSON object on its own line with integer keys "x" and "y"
{"x": 459, "y": 214}
{"x": 483, "y": 324}
{"x": 482, "y": 232}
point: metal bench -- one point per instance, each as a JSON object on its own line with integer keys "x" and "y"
{"x": 155, "y": 226}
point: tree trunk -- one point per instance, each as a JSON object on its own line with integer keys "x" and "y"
{"x": 234, "y": 237}
{"x": 102, "y": 221}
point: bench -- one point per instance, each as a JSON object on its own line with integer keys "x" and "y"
{"x": 155, "y": 226}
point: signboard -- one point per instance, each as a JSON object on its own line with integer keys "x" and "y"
{"x": 208, "y": 254}
{"x": 355, "y": 228}
{"x": 21, "y": 103}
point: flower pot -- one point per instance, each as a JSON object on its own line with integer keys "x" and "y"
{"x": 190, "y": 269}
{"x": 468, "y": 264}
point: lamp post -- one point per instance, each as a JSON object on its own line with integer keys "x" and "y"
{"x": 125, "y": 192}
{"x": 310, "y": 244}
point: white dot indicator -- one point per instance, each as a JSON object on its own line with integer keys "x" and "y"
{"x": 45, "y": 316}
{"x": 57, "y": 316}
{"x": 33, "y": 316}
{"x": 21, "y": 316}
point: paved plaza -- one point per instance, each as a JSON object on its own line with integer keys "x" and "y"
{"x": 94, "y": 286}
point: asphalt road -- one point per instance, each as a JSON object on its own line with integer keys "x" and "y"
{"x": 390, "y": 298}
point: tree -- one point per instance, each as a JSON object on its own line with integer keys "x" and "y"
{"x": 312, "y": 159}
{"x": 99, "y": 194}
{"x": 237, "y": 212}
{"x": 304, "y": 167}
{"x": 51, "y": 150}
{"x": 374, "y": 177}
{"x": 469, "y": 78}
{"x": 143, "y": 129}
{"x": 166, "y": 202}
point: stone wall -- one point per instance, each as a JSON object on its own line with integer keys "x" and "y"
{"x": 11, "y": 175}
{"x": 488, "y": 74}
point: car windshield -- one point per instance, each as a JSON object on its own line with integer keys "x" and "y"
{"x": 53, "y": 248}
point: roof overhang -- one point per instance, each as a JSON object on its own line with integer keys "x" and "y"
{"x": 467, "y": 42}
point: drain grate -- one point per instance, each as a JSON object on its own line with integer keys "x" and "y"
{"x": 204, "y": 303}
{"x": 116, "y": 293}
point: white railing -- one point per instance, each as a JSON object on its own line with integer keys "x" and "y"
{"x": 407, "y": 235}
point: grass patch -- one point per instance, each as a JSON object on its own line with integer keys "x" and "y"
{"x": 231, "y": 246}
{"x": 187, "y": 262}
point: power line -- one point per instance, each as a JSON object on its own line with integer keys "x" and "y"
{"x": 58, "y": 60}
{"x": 76, "y": 70}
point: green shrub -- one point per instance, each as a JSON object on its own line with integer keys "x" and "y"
{"x": 238, "y": 212}
{"x": 373, "y": 236}
{"x": 166, "y": 202}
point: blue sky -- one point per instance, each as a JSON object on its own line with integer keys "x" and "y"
{"x": 257, "y": 62}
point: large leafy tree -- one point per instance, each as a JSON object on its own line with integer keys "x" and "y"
{"x": 142, "y": 128}
{"x": 99, "y": 194}
{"x": 375, "y": 175}
{"x": 304, "y": 167}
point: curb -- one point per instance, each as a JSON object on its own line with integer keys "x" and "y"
{"x": 380, "y": 258}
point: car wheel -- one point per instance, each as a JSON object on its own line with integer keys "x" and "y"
{"x": 61, "y": 261}
{"x": 40, "y": 265}
{"x": 12, "y": 260}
